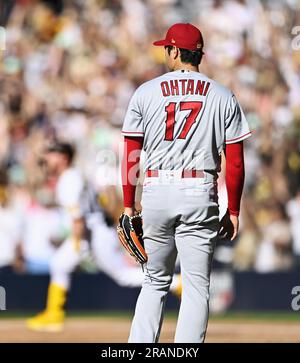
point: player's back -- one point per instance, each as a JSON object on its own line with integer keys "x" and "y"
{"x": 77, "y": 198}
{"x": 185, "y": 118}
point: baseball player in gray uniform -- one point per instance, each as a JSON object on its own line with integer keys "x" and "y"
{"x": 182, "y": 121}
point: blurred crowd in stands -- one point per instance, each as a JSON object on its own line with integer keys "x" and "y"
{"x": 68, "y": 71}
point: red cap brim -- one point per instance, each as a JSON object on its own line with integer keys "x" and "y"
{"x": 162, "y": 42}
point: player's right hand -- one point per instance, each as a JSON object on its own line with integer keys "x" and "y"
{"x": 229, "y": 227}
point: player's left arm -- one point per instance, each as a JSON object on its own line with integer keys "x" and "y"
{"x": 130, "y": 230}
{"x": 133, "y": 132}
{"x": 130, "y": 171}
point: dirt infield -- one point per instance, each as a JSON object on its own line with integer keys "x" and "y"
{"x": 113, "y": 329}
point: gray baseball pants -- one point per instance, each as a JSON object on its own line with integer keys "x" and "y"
{"x": 178, "y": 218}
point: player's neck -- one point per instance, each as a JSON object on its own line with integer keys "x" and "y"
{"x": 185, "y": 67}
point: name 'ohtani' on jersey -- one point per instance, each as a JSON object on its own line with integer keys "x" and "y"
{"x": 184, "y": 87}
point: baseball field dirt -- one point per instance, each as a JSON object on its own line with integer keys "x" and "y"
{"x": 115, "y": 329}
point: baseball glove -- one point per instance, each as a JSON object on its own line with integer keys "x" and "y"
{"x": 130, "y": 232}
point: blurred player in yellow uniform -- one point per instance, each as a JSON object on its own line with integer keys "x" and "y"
{"x": 79, "y": 209}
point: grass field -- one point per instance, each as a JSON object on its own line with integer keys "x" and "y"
{"x": 114, "y": 327}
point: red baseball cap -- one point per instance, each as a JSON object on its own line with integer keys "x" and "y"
{"x": 185, "y": 36}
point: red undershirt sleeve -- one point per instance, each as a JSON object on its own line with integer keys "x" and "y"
{"x": 235, "y": 176}
{"x": 130, "y": 168}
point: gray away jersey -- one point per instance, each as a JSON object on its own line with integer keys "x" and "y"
{"x": 186, "y": 119}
